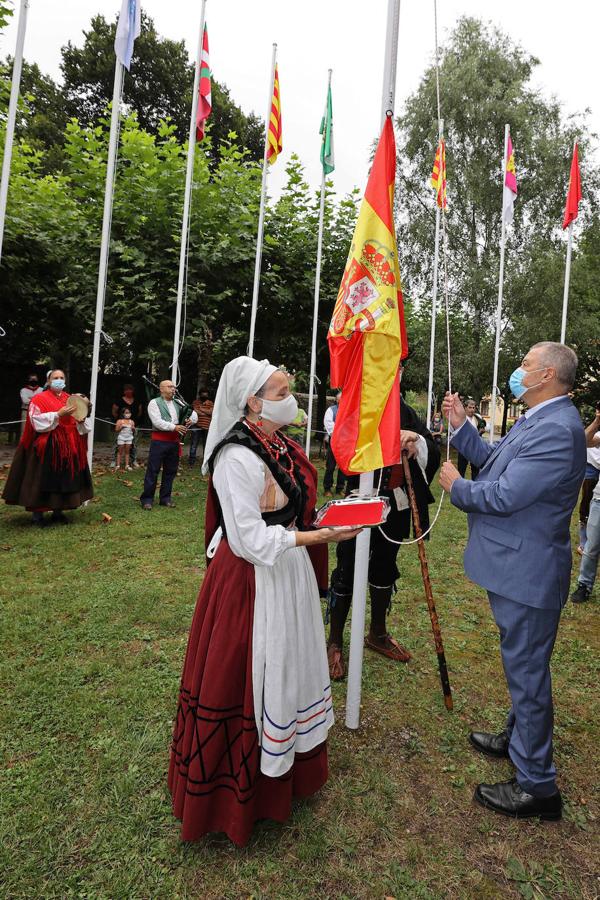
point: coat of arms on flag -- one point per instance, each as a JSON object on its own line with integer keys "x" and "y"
{"x": 367, "y": 336}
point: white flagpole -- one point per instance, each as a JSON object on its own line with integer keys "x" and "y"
{"x": 361, "y": 558}
{"x": 189, "y": 179}
{"x": 313, "y": 351}
{"x": 500, "y": 291}
{"x": 12, "y": 115}
{"x": 436, "y": 261}
{"x": 105, "y": 245}
{"x": 261, "y": 215}
{"x": 563, "y": 325}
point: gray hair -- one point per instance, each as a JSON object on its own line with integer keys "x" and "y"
{"x": 561, "y": 358}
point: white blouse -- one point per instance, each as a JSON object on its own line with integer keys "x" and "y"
{"x": 48, "y": 421}
{"x": 240, "y": 479}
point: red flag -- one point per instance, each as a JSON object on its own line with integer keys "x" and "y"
{"x": 574, "y": 192}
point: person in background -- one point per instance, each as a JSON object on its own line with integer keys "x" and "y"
{"x": 297, "y": 429}
{"x": 437, "y": 428}
{"x": 125, "y": 429}
{"x": 29, "y": 390}
{"x": 423, "y": 460}
{"x": 519, "y": 550}
{"x": 592, "y": 473}
{"x": 479, "y": 425}
{"x": 591, "y": 552}
{"x": 49, "y": 470}
{"x": 203, "y": 407}
{"x": 330, "y": 462}
{"x": 127, "y": 401}
{"x": 166, "y": 414}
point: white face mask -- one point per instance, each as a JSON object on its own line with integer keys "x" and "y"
{"x": 280, "y": 412}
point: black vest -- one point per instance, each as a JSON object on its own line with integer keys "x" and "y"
{"x": 295, "y": 491}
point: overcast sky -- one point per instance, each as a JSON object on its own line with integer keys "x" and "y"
{"x": 347, "y": 36}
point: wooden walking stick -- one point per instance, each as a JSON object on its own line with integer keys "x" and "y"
{"x": 435, "y": 625}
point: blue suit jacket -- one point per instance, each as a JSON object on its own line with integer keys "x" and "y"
{"x": 520, "y": 505}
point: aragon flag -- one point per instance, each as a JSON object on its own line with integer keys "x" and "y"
{"x": 438, "y": 175}
{"x": 367, "y": 335}
{"x": 574, "y": 192}
{"x": 274, "y": 145}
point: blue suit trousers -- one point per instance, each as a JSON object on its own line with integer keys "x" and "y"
{"x": 527, "y": 636}
{"x": 165, "y": 455}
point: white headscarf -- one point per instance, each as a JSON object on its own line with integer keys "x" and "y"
{"x": 240, "y": 379}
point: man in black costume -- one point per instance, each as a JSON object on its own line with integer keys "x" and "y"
{"x": 424, "y": 461}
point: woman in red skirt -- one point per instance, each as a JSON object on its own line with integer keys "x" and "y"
{"x": 50, "y": 470}
{"x": 255, "y": 701}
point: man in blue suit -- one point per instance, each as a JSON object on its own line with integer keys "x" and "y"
{"x": 519, "y": 549}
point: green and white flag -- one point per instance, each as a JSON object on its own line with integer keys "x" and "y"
{"x": 326, "y": 131}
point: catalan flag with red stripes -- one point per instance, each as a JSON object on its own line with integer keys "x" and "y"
{"x": 204, "y": 90}
{"x": 438, "y": 176}
{"x": 274, "y": 145}
{"x": 367, "y": 335}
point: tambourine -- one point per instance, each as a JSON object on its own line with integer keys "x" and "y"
{"x": 353, "y": 512}
{"x": 80, "y": 407}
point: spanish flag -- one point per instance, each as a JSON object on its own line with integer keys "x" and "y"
{"x": 367, "y": 336}
{"x": 274, "y": 145}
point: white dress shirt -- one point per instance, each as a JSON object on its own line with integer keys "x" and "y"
{"x": 160, "y": 424}
{"x": 328, "y": 421}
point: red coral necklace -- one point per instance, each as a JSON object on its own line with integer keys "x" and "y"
{"x": 275, "y": 447}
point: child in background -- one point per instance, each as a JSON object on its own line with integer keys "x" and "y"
{"x": 125, "y": 428}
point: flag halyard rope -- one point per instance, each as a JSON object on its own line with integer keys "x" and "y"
{"x": 445, "y": 292}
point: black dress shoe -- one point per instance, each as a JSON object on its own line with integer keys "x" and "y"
{"x": 509, "y": 799}
{"x": 491, "y": 744}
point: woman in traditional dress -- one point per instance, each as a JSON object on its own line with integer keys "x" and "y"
{"x": 255, "y": 700}
{"x": 49, "y": 469}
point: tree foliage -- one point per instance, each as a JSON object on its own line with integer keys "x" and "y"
{"x": 158, "y": 86}
{"x": 485, "y": 81}
{"x": 48, "y": 277}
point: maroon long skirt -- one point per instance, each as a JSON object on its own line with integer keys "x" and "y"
{"x": 214, "y": 772}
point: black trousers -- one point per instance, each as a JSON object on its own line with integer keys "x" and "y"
{"x": 165, "y": 455}
{"x": 330, "y": 465}
{"x": 463, "y": 462}
{"x": 198, "y": 439}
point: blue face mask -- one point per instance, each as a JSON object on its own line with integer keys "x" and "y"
{"x": 515, "y": 382}
{"x": 58, "y": 384}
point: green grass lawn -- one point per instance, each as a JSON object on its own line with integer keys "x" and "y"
{"x": 93, "y": 627}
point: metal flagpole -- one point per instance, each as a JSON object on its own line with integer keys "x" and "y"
{"x": 563, "y": 326}
{"x": 105, "y": 244}
{"x": 436, "y": 260}
{"x": 261, "y": 215}
{"x": 500, "y": 290}
{"x": 313, "y": 351}
{"x": 189, "y": 179}
{"x": 12, "y": 115}
{"x": 361, "y": 559}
